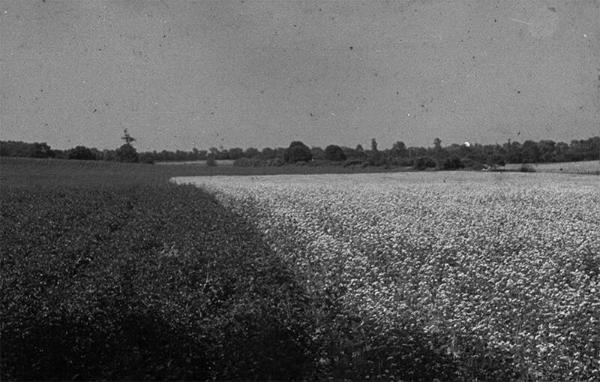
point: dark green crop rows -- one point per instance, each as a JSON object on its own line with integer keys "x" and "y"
{"x": 141, "y": 282}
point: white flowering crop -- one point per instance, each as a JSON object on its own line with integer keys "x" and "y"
{"x": 507, "y": 261}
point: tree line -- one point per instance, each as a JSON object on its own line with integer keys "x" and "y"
{"x": 452, "y": 156}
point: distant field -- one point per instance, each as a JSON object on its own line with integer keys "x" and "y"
{"x": 585, "y": 167}
{"x": 29, "y": 172}
{"x": 496, "y": 273}
{"x": 222, "y": 162}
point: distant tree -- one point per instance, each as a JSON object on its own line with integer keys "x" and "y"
{"x": 23, "y": 149}
{"x": 423, "y": 163}
{"x": 81, "y": 153}
{"x": 235, "y": 153}
{"x": 317, "y": 152}
{"x": 588, "y": 149}
{"x": 268, "y": 153}
{"x": 513, "y": 152}
{"x": 530, "y": 152}
{"x": 547, "y": 150}
{"x": 251, "y": 152}
{"x": 376, "y": 158}
{"x": 438, "y": 150}
{"x": 374, "y": 145}
{"x": 127, "y": 152}
{"x": 41, "y": 150}
{"x": 147, "y": 158}
{"x": 334, "y": 153}
{"x": 354, "y": 154}
{"x": 399, "y": 150}
{"x": 280, "y": 153}
{"x": 561, "y": 151}
{"x": 453, "y": 163}
{"x": 64, "y": 154}
{"x": 297, "y": 152}
{"x": 359, "y": 148}
{"x": 109, "y": 155}
{"x": 415, "y": 152}
{"x": 198, "y": 154}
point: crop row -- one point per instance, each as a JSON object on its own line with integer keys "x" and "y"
{"x": 142, "y": 282}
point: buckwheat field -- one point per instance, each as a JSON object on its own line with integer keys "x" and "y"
{"x": 495, "y": 276}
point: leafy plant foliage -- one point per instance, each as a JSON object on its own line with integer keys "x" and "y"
{"x": 142, "y": 282}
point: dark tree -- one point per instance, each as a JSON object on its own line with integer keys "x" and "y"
{"x": 373, "y": 145}
{"x": 297, "y": 152}
{"x": 22, "y": 149}
{"x": 423, "y": 163}
{"x": 399, "y": 150}
{"x": 235, "y": 153}
{"x": 453, "y": 163}
{"x": 127, "y": 152}
{"x": 251, "y": 152}
{"x": 355, "y": 154}
{"x": 81, "y": 153}
{"x": 334, "y": 153}
{"x": 530, "y": 152}
{"x": 317, "y": 153}
{"x": 198, "y": 154}
{"x": 268, "y": 153}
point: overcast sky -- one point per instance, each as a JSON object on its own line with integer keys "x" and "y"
{"x": 184, "y": 74}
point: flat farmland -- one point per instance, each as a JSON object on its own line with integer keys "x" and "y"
{"x": 583, "y": 167}
{"x": 473, "y": 276}
{"x": 109, "y": 272}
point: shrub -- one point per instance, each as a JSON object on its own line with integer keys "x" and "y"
{"x": 353, "y": 162}
{"x": 275, "y": 162}
{"x": 146, "y": 158}
{"x": 423, "y": 163}
{"x": 526, "y": 167}
{"x": 453, "y": 163}
{"x": 376, "y": 158}
{"x": 248, "y": 162}
{"x": 211, "y": 161}
{"x": 472, "y": 164}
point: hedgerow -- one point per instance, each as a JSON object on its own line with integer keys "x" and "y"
{"x": 142, "y": 282}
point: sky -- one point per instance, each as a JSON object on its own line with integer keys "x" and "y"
{"x": 185, "y": 74}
